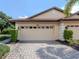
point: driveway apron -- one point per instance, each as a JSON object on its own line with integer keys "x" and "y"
{"x": 42, "y": 51}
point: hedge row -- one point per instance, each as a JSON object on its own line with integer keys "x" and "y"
{"x": 11, "y": 32}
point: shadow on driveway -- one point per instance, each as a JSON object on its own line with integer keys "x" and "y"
{"x": 57, "y": 53}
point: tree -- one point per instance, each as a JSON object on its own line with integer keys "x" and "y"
{"x": 4, "y": 21}
{"x": 4, "y": 16}
{"x": 69, "y": 5}
{"x": 2, "y": 24}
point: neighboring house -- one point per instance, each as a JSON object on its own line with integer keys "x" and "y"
{"x": 48, "y": 25}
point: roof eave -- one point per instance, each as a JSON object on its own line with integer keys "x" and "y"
{"x": 34, "y": 20}
{"x": 69, "y": 19}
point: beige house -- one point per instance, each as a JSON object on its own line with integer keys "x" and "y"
{"x": 48, "y": 25}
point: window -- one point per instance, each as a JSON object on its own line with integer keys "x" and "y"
{"x": 30, "y": 27}
{"x": 47, "y": 27}
{"x": 72, "y": 25}
{"x": 39, "y": 27}
{"x": 67, "y": 26}
{"x": 26, "y": 26}
{"x": 34, "y": 27}
{"x": 51, "y": 27}
{"x": 22, "y": 27}
{"x": 42, "y": 27}
{"x": 76, "y": 25}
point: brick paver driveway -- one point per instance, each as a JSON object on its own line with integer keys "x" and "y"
{"x": 42, "y": 51}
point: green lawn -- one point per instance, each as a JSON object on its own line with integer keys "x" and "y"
{"x": 4, "y": 49}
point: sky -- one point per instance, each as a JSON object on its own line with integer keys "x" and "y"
{"x": 27, "y": 8}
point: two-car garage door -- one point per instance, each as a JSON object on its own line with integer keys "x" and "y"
{"x": 75, "y": 29}
{"x": 38, "y": 32}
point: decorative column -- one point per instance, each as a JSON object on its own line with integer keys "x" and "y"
{"x": 61, "y": 31}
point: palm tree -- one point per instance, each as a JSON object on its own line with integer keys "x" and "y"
{"x": 69, "y": 5}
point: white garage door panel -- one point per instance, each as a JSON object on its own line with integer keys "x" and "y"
{"x": 37, "y": 34}
{"x": 75, "y": 32}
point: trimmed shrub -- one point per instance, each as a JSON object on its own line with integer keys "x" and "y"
{"x": 13, "y": 35}
{"x": 11, "y": 32}
{"x": 3, "y": 50}
{"x": 68, "y": 35}
{"x": 3, "y": 37}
